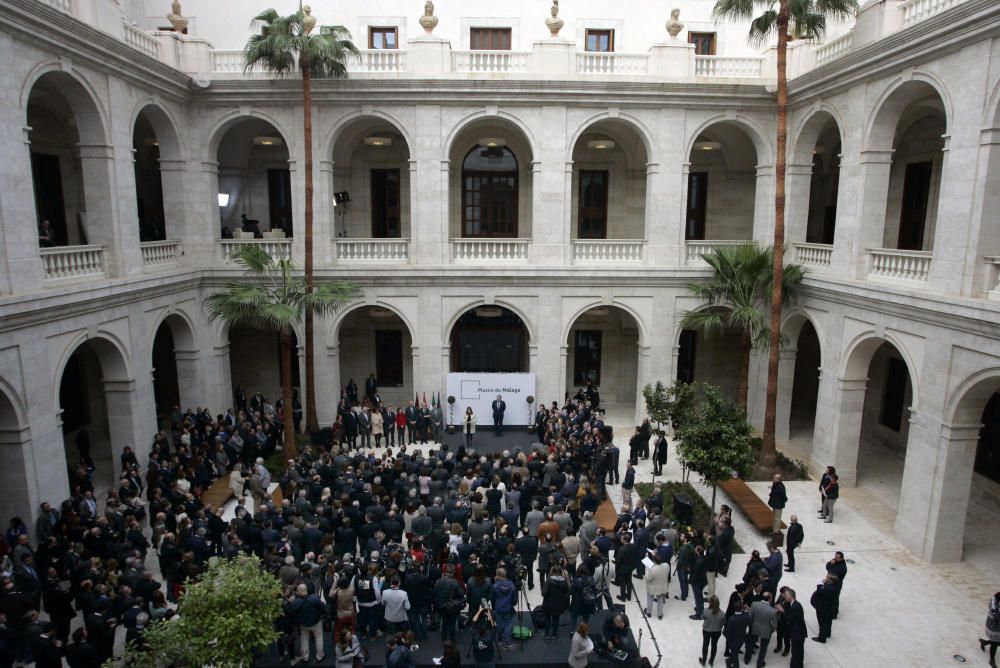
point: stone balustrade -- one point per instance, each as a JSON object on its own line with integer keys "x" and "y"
{"x": 813, "y": 256}
{"x": 141, "y": 40}
{"x": 834, "y": 48}
{"x": 279, "y": 249}
{"x": 915, "y": 11}
{"x": 491, "y": 61}
{"x": 372, "y": 250}
{"x": 489, "y": 250}
{"x": 608, "y": 250}
{"x": 156, "y": 254}
{"x": 73, "y": 262}
{"x": 723, "y": 66}
{"x": 696, "y": 250}
{"x": 993, "y": 278}
{"x": 899, "y": 265}
{"x": 61, "y": 5}
{"x": 228, "y": 61}
{"x": 590, "y": 62}
{"x": 379, "y": 60}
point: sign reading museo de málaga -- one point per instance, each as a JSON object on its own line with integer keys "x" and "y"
{"x": 480, "y": 389}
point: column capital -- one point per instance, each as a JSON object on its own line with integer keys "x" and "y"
{"x": 96, "y": 151}
{"x": 876, "y": 156}
{"x": 118, "y": 386}
{"x": 852, "y": 384}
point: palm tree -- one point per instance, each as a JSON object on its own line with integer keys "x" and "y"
{"x": 735, "y": 298}
{"x": 274, "y": 298}
{"x": 281, "y": 45}
{"x": 805, "y": 19}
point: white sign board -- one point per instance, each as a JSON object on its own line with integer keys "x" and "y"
{"x": 480, "y": 389}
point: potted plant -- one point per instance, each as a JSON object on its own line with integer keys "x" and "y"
{"x": 451, "y": 414}
{"x": 531, "y": 414}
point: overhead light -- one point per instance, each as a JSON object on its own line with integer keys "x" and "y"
{"x": 341, "y": 197}
{"x": 492, "y": 142}
{"x": 223, "y": 199}
{"x": 819, "y": 150}
{"x": 380, "y": 313}
{"x": 378, "y": 141}
{"x": 707, "y": 146}
{"x": 489, "y": 311}
{"x": 600, "y": 144}
{"x": 600, "y": 311}
{"x": 151, "y": 141}
{"x": 267, "y": 141}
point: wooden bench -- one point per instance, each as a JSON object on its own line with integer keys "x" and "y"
{"x": 760, "y": 514}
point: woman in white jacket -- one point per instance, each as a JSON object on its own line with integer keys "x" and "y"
{"x": 580, "y": 647}
{"x": 469, "y": 426}
{"x": 657, "y": 586}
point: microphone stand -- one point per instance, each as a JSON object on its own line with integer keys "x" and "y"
{"x": 652, "y": 637}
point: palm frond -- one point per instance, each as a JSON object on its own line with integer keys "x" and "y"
{"x": 838, "y": 9}
{"x": 763, "y": 27}
{"x": 733, "y": 10}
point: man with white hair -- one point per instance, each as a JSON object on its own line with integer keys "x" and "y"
{"x": 308, "y": 611}
{"x": 265, "y": 475}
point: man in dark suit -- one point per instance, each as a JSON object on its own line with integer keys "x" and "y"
{"x": 823, "y": 600}
{"x": 795, "y": 619}
{"x": 27, "y": 580}
{"x": 796, "y": 534}
{"x": 82, "y": 654}
{"x": 101, "y": 628}
{"x": 411, "y": 414}
{"x": 777, "y": 500}
{"x": 499, "y": 408}
{"x": 626, "y": 560}
{"x": 46, "y": 649}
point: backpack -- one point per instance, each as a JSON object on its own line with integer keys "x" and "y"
{"x": 588, "y": 594}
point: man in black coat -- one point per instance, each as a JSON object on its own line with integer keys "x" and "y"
{"x": 101, "y": 630}
{"x": 838, "y": 568}
{"x": 82, "y": 654}
{"x": 626, "y": 560}
{"x": 823, "y": 600}
{"x": 777, "y": 500}
{"x": 795, "y": 535}
{"x": 795, "y": 618}
{"x": 527, "y": 547}
{"x": 412, "y": 414}
{"x": 737, "y": 628}
{"x": 46, "y": 648}
{"x": 499, "y": 408}
{"x": 661, "y": 451}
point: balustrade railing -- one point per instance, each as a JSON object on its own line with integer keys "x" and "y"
{"x": 138, "y": 39}
{"x": 915, "y": 11}
{"x": 227, "y": 61}
{"x": 723, "y": 66}
{"x": 608, "y": 250}
{"x": 899, "y": 265}
{"x": 813, "y": 256}
{"x": 491, "y": 61}
{"x": 489, "y": 250}
{"x": 993, "y": 278}
{"x": 696, "y": 250}
{"x": 380, "y": 60}
{"x": 835, "y": 48}
{"x": 279, "y": 249}
{"x": 69, "y": 262}
{"x": 160, "y": 253}
{"x": 591, "y": 62}
{"x": 61, "y": 5}
{"x": 372, "y": 250}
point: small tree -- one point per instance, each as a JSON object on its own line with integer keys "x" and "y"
{"x": 669, "y": 405}
{"x": 224, "y": 619}
{"x": 716, "y": 441}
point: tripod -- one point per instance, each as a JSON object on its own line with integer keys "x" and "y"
{"x": 520, "y": 605}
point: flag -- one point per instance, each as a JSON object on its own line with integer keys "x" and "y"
{"x": 416, "y": 398}
{"x": 425, "y": 398}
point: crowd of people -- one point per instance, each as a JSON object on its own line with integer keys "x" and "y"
{"x": 393, "y": 541}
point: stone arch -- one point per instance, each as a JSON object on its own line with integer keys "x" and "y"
{"x": 18, "y": 473}
{"x": 462, "y": 310}
{"x": 217, "y": 131}
{"x": 636, "y": 316}
{"x": 900, "y": 93}
{"x": 633, "y": 123}
{"x": 181, "y": 326}
{"x": 808, "y": 131}
{"x": 753, "y": 130}
{"x": 965, "y": 406}
{"x": 113, "y": 354}
{"x": 792, "y": 324}
{"x": 858, "y": 352}
{"x": 334, "y": 331}
{"x": 164, "y": 123}
{"x": 344, "y": 123}
{"x": 991, "y": 111}
{"x": 469, "y": 120}
{"x": 88, "y": 109}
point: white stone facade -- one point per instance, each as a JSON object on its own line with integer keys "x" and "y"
{"x": 928, "y": 93}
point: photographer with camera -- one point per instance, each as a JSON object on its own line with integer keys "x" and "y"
{"x": 483, "y": 643}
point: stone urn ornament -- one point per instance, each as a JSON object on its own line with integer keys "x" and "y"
{"x": 674, "y": 25}
{"x": 177, "y": 21}
{"x": 428, "y": 20}
{"x": 554, "y": 23}
{"x": 308, "y": 20}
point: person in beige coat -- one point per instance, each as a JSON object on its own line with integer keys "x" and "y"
{"x": 378, "y": 427}
{"x": 657, "y": 586}
{"x": 237, "y": 483}
{"x": 581, "y": 647}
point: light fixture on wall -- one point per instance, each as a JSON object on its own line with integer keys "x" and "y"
{"x": 489, "y": 311}
{"x": 598, "y": 312}
{"x": 492, "y": 142}
{"x": 267, "y": 141}
{"x": 378, "y": 312}
{"x": 819, "y": 150}
{"x": 151, "y": 141}
{"x": 378, "y": 141}
{"x": 707, "y": 146}
{"x": 600, "y": 144}
{"x": 223, "y": 199}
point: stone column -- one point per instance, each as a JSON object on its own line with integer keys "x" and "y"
{"x": 869, "y": 225}
{"x": 97, "y": 164}
{"x": 175, "y": 219}
{"x": 194, "y": 391}
{"x": 206, "y": 215}
{"x": 786, "y": 388}
{"x": 20, "y": 497}
{"x": 798, "y": 182}
{"x": 325, "y": 216}
{"x": 837, "y": 444}
{"x": 219, "y": 390}
{"x": 20, "y": 262}
{"x": 568, "y": 234}
{"x": 123, "y": 422}
{"x": 414, "y": 209}
{"x": 934, "y": 495}
{"x": 326, "y": 411}
{"x": 654, "y": 223}
{"x": 643, "y": 376}
{"x": 537, "y": 236}
{"x": 763, "y": 205}
{"x": 563, "y": 370}
{"x": 299, "y": 220}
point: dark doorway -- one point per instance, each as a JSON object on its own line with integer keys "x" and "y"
{"x": 74, "y": 394}
{"x": 805, "y": 383}
{"x": 894, "y": 397}
{"x": 587, "y": 358}
{"x": 489, "y": 193}
{"x": 489, "y": 339}
{"x": 697, "y": 206}
{"x": 166, "y": 386}
{"x": 913, "y": 213}
{"x": 47, "y": 179}
{"x": 389, "y": 357}
{"x": 686, "y": 355}
{"x": 279, "y": 194}
{"x": 593, "y": 195}
{"x": 385, "y": 205}
{"x": 988, "y": 451}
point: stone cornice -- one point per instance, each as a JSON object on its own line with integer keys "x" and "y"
{"x": 952, "y": 30}
{"x": 37, "y": 24}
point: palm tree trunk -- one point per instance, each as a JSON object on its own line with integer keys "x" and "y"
{"x": 745, "y": 346}
{"x": 768, "y": 455}
{"x": 290, "y": 448}
{"x": 312, "y": 422}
